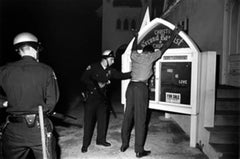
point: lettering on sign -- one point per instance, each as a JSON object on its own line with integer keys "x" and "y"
{"x": 159, "y": 36}
{"x": 178, "y": 41}
{"x": 182, "y": 81}
{"x": 173, "y": 97}
{"x": 179, "y": 57}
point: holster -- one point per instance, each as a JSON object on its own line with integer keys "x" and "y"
{"x": 30, "y": 120}
{"x": 84, "y": 95}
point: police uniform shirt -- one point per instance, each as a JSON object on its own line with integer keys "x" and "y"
{"x": 96, "y": 72}
{"x": 28, "y": 84}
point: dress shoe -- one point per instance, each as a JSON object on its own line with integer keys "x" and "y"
{"x": 124, "y": 148}
{"x": 106, "y": 144}
{"x": 84, "y": 149}
{"x": 142, "y": 154}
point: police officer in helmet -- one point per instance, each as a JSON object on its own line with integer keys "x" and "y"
{"x": 27, "y": 84}
{"x": 96, "y": 78}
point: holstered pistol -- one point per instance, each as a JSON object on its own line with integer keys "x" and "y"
{"x": 30, "y": 120}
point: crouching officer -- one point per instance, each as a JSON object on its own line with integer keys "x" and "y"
{"x": 27, "y": 84}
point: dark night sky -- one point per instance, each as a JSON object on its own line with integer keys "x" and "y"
{"x": 69, "y": 30}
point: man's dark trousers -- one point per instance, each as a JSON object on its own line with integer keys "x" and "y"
{"x": 136, "y": 110}
{"x": 95, "y": 111}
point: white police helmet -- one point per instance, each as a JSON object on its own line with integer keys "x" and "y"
{"x": 108, "y": 53}
{"x": 26, "y": 38}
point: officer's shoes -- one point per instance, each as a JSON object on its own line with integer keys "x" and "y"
{"x": 142, "y": 154}
{"x": 106, "y": 144}
{"x": 84, "y": 149}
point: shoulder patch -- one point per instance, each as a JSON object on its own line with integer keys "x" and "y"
{"x": 54, "y": 75}
{"x": 89, "y": 67}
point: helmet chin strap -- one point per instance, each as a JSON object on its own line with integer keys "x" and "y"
{"x": 107, "y": 63}
{"x": 37, "y": 56}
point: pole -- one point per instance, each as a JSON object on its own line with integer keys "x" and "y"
{"x": 43, "y": 137}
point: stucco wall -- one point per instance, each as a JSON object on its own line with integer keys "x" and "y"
{"x": 111, "y": 37}
{"x": 205, "y": 22}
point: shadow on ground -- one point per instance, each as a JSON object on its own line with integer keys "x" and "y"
{"x": 165, "y": 138}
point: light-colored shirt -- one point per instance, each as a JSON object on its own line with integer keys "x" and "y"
{"x": 142, "y": 64}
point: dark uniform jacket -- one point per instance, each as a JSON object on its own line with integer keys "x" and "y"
{"x": 28, "y": 84}
{"x": 96, "y": 73}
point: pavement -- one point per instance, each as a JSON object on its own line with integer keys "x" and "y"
{"x": 165, "y": 138}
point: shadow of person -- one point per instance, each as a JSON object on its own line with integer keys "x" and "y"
{"x": 55, "y": 145}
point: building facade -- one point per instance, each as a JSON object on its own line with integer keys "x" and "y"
{"x": 213, "y": 25}
{"x": 119, "y": 17}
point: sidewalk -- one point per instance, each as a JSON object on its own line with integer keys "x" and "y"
{"x": 165, "y": 139}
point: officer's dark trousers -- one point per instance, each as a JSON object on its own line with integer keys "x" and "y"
{"x": 136, "y": 111}
{"x": 95, "y": 112}
{"x": 21, "y": 142}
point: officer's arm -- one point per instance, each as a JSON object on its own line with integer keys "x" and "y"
{"x": 52, "y": 92}
{"x": 3, "y": 103}
{"x": 119, "y": 75}
{"x": 3, "y": 99}
{"x": 85, "y": 78}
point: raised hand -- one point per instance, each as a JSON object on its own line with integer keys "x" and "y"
{"x": 178, "y": 29}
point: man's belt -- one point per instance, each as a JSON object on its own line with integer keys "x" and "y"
{"x": 20, "y": 117}
{"x": 14, "y": 119}
{"x": 29, "y": 119}
{"x": 140, "y": 81}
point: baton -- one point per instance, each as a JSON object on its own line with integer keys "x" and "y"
{"x": 43, "y": 137}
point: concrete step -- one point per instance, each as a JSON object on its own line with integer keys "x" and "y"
{"x": 224, "y": 134}
{"x": 227, "y": 129}
{"x": 228, "y": 151}
{"x": 227, "y": 92}
{"x": 222, "y": 137}
{"x": 228, "y": 155}
{"x": 226, "y": 118}
{"x": 225, "y": 140}
{"x": 228, "y": 104}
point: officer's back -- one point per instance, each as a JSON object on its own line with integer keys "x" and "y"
{"x": 24, "y": 83}
{"x": 29, "y": 86}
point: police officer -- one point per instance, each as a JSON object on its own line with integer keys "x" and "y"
{"x": 96, "y": 78}
{"x": 27, "y": 84}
